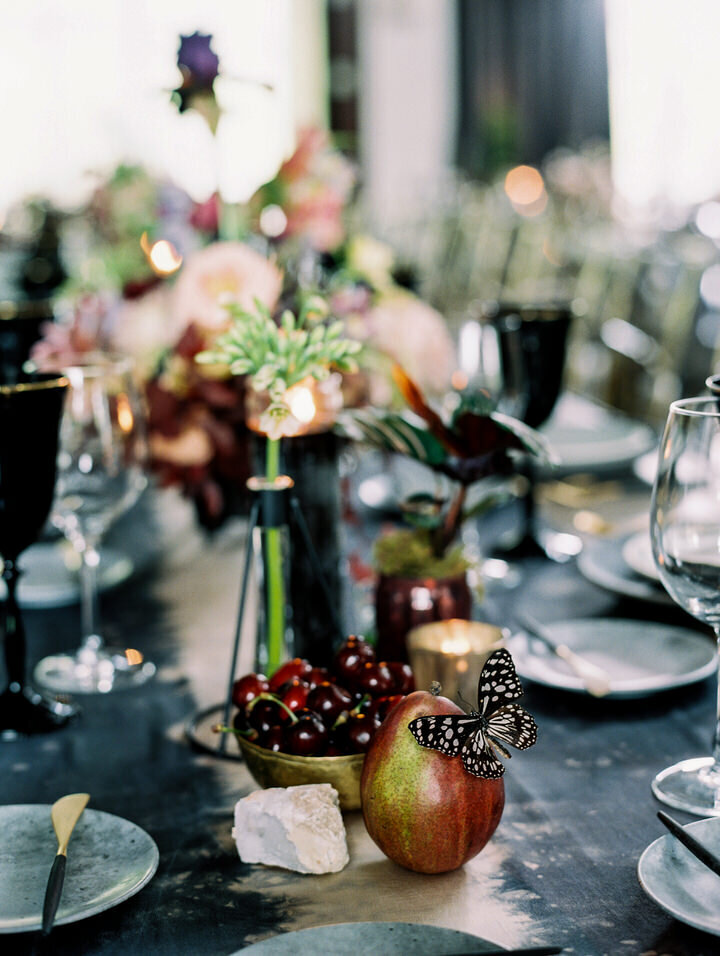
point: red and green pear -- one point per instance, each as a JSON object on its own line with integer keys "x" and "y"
{"x": 421, "y": 807}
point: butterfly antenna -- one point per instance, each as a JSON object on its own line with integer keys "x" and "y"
{"x": 468, "y": 705}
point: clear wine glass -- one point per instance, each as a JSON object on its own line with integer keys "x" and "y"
{"x": 100, "y": 476}
{"x": 685, "y": 532}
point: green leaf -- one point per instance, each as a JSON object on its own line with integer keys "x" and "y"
{"x": 394, "y": 432}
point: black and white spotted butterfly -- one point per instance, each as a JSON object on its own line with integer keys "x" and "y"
{"x": 478, "y": 735}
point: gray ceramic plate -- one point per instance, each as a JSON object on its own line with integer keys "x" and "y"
{"x": 50, "y": 577}
{"x": 602, "y": 563}
{"x": 637, "y": 554}
{"x": 109, "y": 860}
{"x": 370, "y": 939}
{"x": 588, "y": 437}
{"x": 680, "y": 884}
{"x": 642, "y": 658}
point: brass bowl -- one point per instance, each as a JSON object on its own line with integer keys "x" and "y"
{"x": 274, "y": 769}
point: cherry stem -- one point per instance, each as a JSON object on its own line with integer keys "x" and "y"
{"x": 222, "y": 729}
{"x": 276, "y": 700}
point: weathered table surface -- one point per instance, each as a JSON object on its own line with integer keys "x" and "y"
{"x": 560, "y": 869}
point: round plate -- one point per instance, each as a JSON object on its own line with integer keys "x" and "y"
{"x": 50, "y": 576}
{"x": 680, "y": 884}
{"x": 587, "y": 437}
{"x": 370, "y": 939}
{"x": 601, "y": 562}
{"x": 109, "y": 860}
{"x": 641, "y": 658}
{"x": 637, "y": 554}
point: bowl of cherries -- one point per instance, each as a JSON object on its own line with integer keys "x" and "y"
{"x": 308, "y": 724}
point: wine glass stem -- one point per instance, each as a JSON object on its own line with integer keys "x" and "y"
{"x": 716, "y": 738}
{"x": 14, "y": 631}
{"x": 89, "y": 612}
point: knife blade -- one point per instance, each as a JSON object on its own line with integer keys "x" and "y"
{"x": 696, "y": 848}
{"x": 595, "y": 679}
{"x": 65, "y": 814}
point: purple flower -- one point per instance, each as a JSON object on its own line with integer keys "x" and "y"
{"x": 197, "y": 62}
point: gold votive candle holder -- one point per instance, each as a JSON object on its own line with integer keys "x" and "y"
{"x": 453, "y": 653}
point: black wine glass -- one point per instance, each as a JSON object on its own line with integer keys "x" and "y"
{"x": 532, "y": 344}
{"x": 30, "y": 411}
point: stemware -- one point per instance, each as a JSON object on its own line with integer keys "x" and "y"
{"x": 531, "y": 345}
{"x": 685, "y": 533}
{"x": 100, "y": 476}
{"x": 30, "y": 410}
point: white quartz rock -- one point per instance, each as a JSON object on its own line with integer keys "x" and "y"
{"x": 298, "y": 828}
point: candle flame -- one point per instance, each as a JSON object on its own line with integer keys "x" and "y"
{"x": 125, "y": 416}
{"x": 455, "y": 645}
{"x": 162, "y": 255}
{"x": 301, "y": 403}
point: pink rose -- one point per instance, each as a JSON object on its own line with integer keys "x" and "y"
{"x": 220, "y": 273}
{"x": 416, "y": 336}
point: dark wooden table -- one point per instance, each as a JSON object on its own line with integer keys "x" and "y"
{"x": 560, "y": 869}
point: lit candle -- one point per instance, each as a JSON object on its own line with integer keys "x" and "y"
{"x": 162, "y": 255}
{"x": 313, "y": 406}
{"x": 453, "y": 653}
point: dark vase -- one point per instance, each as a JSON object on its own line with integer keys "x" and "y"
{"x": 404, "y": 603}
{"x": 312, "y": 461}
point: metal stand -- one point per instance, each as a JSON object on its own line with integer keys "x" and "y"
{"x": 273, "y": 504}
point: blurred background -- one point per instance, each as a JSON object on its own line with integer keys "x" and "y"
{"x": 517, "y": 149}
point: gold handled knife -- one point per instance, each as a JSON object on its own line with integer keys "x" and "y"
{"x": 65, "y": 814}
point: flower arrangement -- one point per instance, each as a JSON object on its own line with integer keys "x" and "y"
{"x": 307, "y": 199}
{"x": 277, "y": 357}
{"x": 148, "y": 277}
{"x": 197, "y": 433}
{"x": 476, "y": 447}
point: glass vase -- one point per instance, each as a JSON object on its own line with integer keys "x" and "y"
{"x": 402, "y": 604}
{"x": 270, "y": 543}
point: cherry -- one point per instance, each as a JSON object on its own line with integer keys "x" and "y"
{"x": 374, "y": 679}
{"x": 272, "y": 739}
{"x": 248, "y": 687}
{"x": 298, "y": 667}
{"x": 351, "y": 655}
{"x": 403, "y": 675}
{"x": 329, "y": 701}
{"x": 308, "y": 736}
{"x": 318, "y": 675}
{"x": 266, "y": 714}
{"x": 380, "y": 707}
{"x": 293, "y": 693}
{"x": 357, "y": 733}
{"x": 240, "y": 720}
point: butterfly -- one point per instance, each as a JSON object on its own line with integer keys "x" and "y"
{"x": 478, "y": 735}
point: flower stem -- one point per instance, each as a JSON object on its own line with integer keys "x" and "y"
{"x": 275, "y": 610}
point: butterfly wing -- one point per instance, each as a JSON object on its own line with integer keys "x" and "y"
{"x": 479, "y": 758}
{"x": 498, "y": 721}
{"x": 512, "y": 725}
{"x": 498, "y": 684}
{"x": 445, "y": 733}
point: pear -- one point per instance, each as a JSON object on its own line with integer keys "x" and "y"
{"x": 421, "y": 807}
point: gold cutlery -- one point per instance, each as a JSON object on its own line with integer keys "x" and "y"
{"x": 65, "y": 814}
{"x": 595, "y": 679}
